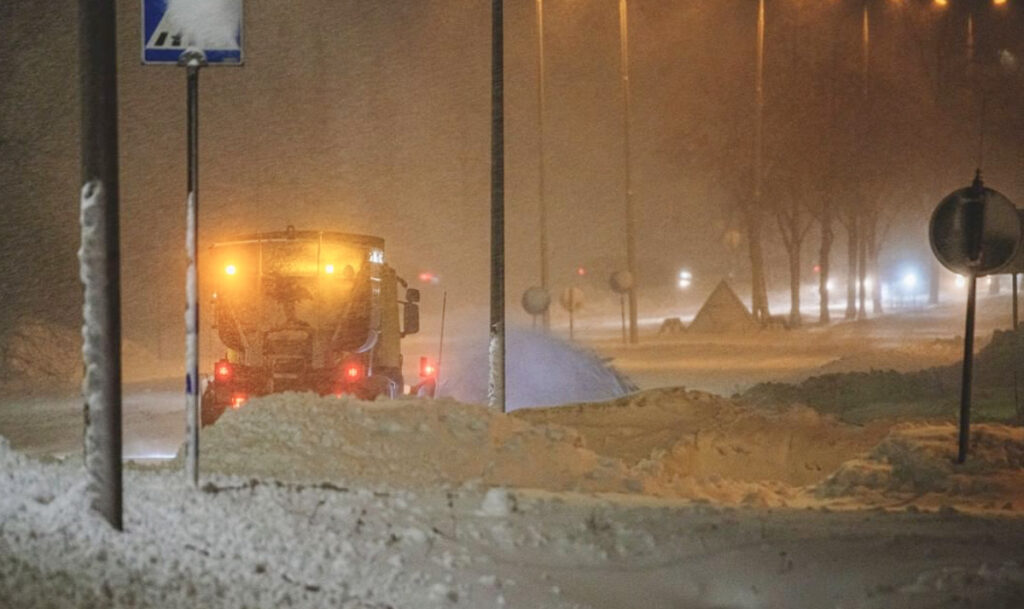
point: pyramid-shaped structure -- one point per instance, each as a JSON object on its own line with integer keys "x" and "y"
{"x": 723, "y": 312}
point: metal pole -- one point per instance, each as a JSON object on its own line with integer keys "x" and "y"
{"x": 1015, "y": 307}
{"x": 1018, "y": 407}
{"x": 440, "y": 346}
{"x": 99, "y": 165}
{"x": 496, "y": 384}
{"x": 866, "y": 42}
{"x": 543, "y": 212}
{"x": 622, "y": 309}
{"x": 192, "y": 60}
{"x": 630, "y": 228}
{"x": 759, "y": 294}
{"x": 572, "y": 312}
{"x": 965, "y": 382}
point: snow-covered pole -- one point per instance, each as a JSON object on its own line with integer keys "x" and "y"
{"x": 496, "y": 384}
{"x": 99, "y": 257}
{"x": 192, "y": 59}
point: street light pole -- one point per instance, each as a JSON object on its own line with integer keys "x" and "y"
{"x": 866, "y": 41}
{"x": 630, "y": 224}
{"x": 546, "y": 316}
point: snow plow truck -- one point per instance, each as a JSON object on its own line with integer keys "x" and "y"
{"x": 306, "y": 311}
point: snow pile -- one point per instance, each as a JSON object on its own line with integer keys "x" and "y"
{"x": 693, "y": 444}
{"x": 541, "y": 370}
{"x": 236, "y": 544}
{"x": 260, "y": 543}
{"x": 907, "y": 357}
{"x": 884, "y": 392}
{"x": 670, "y": 443}
{"x": 916, "y": 463}
{"x": 411, "y": 443}
{"x": 953, "y": 587}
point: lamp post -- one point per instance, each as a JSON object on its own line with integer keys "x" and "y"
{"x": 542, "y": 204}
{"x": 630, "y": 223}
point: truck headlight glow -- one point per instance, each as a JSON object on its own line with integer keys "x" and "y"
{"x": 230, "y": 269}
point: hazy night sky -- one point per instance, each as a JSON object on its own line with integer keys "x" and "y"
{"x": 373, "y": 117}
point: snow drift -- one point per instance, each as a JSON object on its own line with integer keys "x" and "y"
{"x": 541, "y": 370}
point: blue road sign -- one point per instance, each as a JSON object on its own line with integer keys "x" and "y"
{"x": 169, "y": 27}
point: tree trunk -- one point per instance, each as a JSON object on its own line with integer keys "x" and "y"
{"x": 862, "y": 276}
{"x": 758, "y": 285}
{"x": 874, "y": 247}
{"x": 824, "y": 253}
{"x": 851, "y": 268}
{"x": 795, "y": 319}
{"x": 993, "y": 285}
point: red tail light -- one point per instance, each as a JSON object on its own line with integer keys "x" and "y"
{"x": 223, "y": 371}
{"x": 238, "y": 399}
{"x": 352, "y": 371}
{"x": 428, "y": 369}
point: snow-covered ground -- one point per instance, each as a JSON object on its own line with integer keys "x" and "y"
{"x": 667, "y": 498}
{"x": 700, "y": 502}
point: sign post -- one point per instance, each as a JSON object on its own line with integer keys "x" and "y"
{"x": 974, "y": 231}
{"x": 192, "y": 35}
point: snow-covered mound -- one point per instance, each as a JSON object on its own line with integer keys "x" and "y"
{"x": 698, "y": 445}
{"x": 261, "y": 543}
{"x": 915, "y": 463}
{"x": 666, "y": 443}
{"x": 240, "y": 544}
{"x": 410, "y": 443}
{"x": 670, "y": 443}
{"x": 542, "y": 370}
{"x": 885, "y": 392}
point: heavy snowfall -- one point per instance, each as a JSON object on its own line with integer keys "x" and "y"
{"x": 764, "y": 417}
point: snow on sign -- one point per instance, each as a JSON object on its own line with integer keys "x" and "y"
{"x": 169, "y": 27}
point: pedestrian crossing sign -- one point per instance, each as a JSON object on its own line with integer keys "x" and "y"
{"x": 170, "y": 27}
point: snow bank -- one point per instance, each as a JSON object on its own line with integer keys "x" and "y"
{"x": 670, "y": 443}
{"x": 692, "y": 444}
{"x": 915, "y": 464}
{"x": 234, "y": 544}
{"x": 410, "y": 443}
{"x": 541, "y": 370}
{"x": 883, "y": 391}
{"x": 252, "y": 542}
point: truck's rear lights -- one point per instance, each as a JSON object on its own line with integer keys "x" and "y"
{"x": 238, "y": 399}
{"x": 428, "y": 369}
{"x": 352, "y": 371}
{"x": 223, "y": 370}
